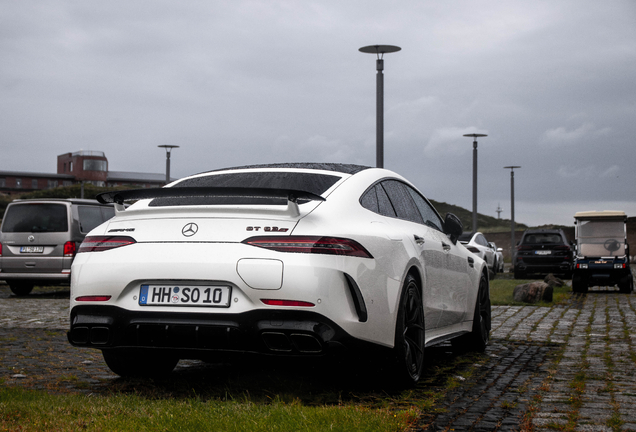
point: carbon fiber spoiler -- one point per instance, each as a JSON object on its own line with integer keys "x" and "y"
{"x": 292, "y": 195}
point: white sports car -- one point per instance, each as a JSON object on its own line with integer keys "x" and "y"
{"x": 477, "y": 244}
{"x": 286, "y": 259}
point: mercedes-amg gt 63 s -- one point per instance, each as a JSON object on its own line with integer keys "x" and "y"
{"x": 286, "y": 260}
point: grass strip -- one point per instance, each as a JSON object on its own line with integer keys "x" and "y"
{"x": 501, "y": 290}
{"x": 30, "y": 410}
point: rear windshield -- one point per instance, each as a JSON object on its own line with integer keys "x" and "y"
{"x": 542, "y": 238}
{"x": 35, "y": 218}
{"x": 465, "y": 237}
{"x": 308, "y": 182}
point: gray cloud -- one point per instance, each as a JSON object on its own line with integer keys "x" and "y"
{"x": 244, "y": 82}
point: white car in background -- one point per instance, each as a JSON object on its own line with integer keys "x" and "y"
{"x": 286, "y": 259}
{"x": 499, "y": 258}
{"x": 477, "y": 244}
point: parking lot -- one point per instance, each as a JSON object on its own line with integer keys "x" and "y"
{"x": 551, "y": 367}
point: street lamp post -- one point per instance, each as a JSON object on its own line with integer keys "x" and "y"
{"x": 512, "y": 212}
{"x": 168, "y": 150}
{"x": 475, "y": 136}
{"x": 379, "y": 50}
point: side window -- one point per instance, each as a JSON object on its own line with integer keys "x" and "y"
{"x": 384, "y": 204}
{"x": 428, "y": 213}
{"x": 402, "y": 201}
{"x": 89, "y": 217}
{"x": 376, "y": 200}
{"x": 369, "y": 200}
{"x": 482, "y": 240}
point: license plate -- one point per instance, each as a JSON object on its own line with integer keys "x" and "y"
{"x": 32, "y": 249}
{"x": 543, "y": 252}
{"x": 169, "y": 295}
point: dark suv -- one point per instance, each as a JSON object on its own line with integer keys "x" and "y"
{"x": 543, "y": 251}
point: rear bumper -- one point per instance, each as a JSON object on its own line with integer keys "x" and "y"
{"x": 556, "y": 267}
{"x": 36, "y": 277}
{"x": 602, "y": 274}
{"x": 196, "y": 335}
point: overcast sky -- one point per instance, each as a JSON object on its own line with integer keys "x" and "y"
{"x": 552, "y": 83}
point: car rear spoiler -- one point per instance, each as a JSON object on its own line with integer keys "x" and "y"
{"x": 292, "y": 195}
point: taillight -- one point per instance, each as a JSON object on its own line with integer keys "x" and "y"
{"x": 93, "y": 298}
{"x": 473, "y": 249}
{"x": 297, "y": 303}
{"x": 69, "y": 249}
{"x": 0, "y": 249}
{"x": 102, "y": 243}
{"x": 310, "y": 244}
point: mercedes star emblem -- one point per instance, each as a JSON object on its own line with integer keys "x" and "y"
{"x": 190, "y": 229}
{"x": 31, "y": 238}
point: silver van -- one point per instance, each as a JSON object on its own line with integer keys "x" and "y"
{"x": 39, "y": 238}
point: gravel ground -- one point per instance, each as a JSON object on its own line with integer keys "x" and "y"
{"x": 567, "y": 367}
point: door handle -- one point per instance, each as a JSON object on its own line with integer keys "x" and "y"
{"x": 445, "y": 246}
{"x": 419, "y": 240}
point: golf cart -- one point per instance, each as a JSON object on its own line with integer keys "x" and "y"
{"x": 602, "y": 252}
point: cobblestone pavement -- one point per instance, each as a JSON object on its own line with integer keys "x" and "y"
{"x": 566, "y": 367}
{"x": 591, "y": 381}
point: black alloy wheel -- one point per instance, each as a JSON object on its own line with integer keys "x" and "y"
{"x": 479, "y": 337}
{"x": 477, "y": 340}
{"x": 482, "y": 317}
{"x": 409, "y": 334}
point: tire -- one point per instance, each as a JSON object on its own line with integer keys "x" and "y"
{"x": 579, "y": 285}
{"x": 408, "y": 352}
{"x": 493, "y": 271}
{"x": 626, "y": 285}
{"x": 128, "y": 363}
{"x": 21, "y": 289}
{"x": 479, "y": 337}
{"x": 520, "y": 274}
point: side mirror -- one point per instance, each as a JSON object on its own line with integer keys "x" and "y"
{"x": 453, "y": 227}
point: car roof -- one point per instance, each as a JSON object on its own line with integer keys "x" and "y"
{"x": 335, "y": 167}
{"x": 544, "y": 230}
{"x": 47, "y": 200}
{"x": 604, "y": 213}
